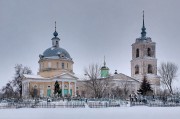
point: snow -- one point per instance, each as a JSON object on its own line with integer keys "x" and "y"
{"x": 33, "y": 76}
{"x": 52, "y": 48}
{"x": 52, "y": 57}
{"x": 138, "y": 112}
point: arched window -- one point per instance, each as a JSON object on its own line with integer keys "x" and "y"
{"x": 149, "y": 52}
{"x": 42, "y": 65}
{"x": 150, "y": 68}
{"x": 57, "y": 65}
{"x": 137, "y": 52}
{"x": 136, "y": 69}
{"x": 62, "y": 65}
{"x": 62, "y": 55}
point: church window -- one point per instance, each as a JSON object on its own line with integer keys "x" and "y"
{"x": 83, "y": 93}
{"x": 62, "y": 65}
{"x": 149, "y": 68}
{"x": 137, "y": 52}
{"x": 77, "y": 92}
{"x": 35, "y": 86}
{"x": 62, "y": 55}
{"x": 56, "y": 43}
{"x": 57, "y": 65}
{"x": 42, "y": 65}
{"x": 65, "y": 86}
{"x": 136, "y": 69}
{"x": 35, "y": 91}
{"x": 149, "y": 52}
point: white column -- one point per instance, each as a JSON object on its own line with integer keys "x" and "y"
{"x": 23, "y": 90}
{"x": 155, "y": 89}
{"x": 74, "y": 88}
{"x": 69, "y": 87}
{"x": 28, "y": 93}
{"x": 63, "y": 88}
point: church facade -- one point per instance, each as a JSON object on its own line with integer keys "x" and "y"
{"x": 55, "y": 64}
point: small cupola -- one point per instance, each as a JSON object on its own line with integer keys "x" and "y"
{"x": 104, "y": 70}
{"x": 55, "y": 39}
{"x": 115, "y": 72}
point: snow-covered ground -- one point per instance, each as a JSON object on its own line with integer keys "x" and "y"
{"x": 140, "y": 112}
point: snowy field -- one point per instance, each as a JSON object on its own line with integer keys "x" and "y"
{"x": 139, "y": 112}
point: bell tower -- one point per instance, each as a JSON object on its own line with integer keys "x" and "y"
{"x": 144, "y": 62}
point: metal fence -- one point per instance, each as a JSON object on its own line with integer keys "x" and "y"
{"x": 99, "y": 104}
{"x": 155, "y": 104}
{"x": 102, "y": 105}
{"x": 164, "y": 104}
{"x": 60, "y": 106}
{"x": 94, "y": 103}
{"x": 48, "y": 105}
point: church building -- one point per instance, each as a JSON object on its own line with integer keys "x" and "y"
{"x": 144, "y": 62}
{"x": 55, "y": 64}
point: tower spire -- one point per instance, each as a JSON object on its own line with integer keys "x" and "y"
{"x": 143, "y": 19}
{"x": 104, "y": 62}
{"x": 55, "y": 25}
{"x": 143, "y": 33}
{"x": 55, "y": 32}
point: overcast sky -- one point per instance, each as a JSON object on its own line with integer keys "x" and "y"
{"x": 88, "y": 29}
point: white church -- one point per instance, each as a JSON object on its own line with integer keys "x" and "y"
{"x": 56, "y": 64}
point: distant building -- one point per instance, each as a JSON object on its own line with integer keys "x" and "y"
{"x": 55, "y": 64}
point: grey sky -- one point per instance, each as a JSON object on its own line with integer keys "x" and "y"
{"x": 88, "y": 29}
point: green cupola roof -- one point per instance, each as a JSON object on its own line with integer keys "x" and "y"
{"x": 104, "y": 70}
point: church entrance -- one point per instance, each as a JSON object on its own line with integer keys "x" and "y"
{"x": 48, "y": 92}
{"x": 70, "y": 92}
{"x": 65, "y": 92}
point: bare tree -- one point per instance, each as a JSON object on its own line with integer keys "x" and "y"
{"x": 168, "y": 72}
{"x": 17, "y": 82}
{"x": 94, "y": 83}
{"x": 122, "y": 90}
{"x": 8, "y": 91}
{"x": 117, "y": 92}
{"x": 125, "y": 88}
